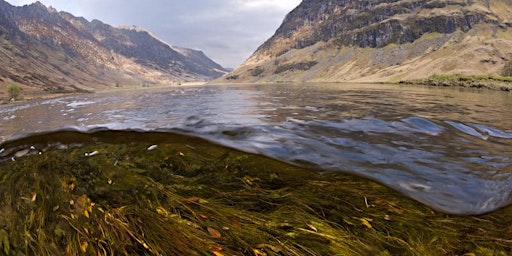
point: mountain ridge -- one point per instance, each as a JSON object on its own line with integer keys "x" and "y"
{"x": 383, "y": 41}
{"x": 42, "y": 49}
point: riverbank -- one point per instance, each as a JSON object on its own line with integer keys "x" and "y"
{"x": 480, "y": 82}
{"x": 463, "y": 81}
{"x": 150, "y": 194}
{"x": 30, "y": 93}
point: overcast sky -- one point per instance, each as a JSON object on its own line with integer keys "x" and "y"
{"x": 228, "y": 31}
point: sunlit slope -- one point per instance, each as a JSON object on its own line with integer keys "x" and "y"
{"x": 384, "y": 41}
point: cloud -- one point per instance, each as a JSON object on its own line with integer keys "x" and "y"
{"x": 228, "y": 31}
{"x": 282, "y": 5}
{"x": 19, "y": 2}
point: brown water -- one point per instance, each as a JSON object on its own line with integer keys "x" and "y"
{"x": 450, "y": 149}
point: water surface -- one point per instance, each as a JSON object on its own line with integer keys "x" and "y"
{"x": 448, "y": 148}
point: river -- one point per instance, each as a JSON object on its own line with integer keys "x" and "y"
{"x": 448, "y": 148}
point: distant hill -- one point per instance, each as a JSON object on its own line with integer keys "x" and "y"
{"x": 384, "y": 41}
{"x": 42, "y": 49}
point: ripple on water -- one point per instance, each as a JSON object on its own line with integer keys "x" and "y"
{"x": 433, "y": 145}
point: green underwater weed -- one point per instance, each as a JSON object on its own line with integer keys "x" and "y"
{"x": 190, "y": 197}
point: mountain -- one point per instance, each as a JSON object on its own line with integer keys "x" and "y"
{"x": 384, "y": 41}
{"x": 42, "y": 49}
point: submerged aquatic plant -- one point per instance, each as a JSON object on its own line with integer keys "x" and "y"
{"x": 184, "y": 196}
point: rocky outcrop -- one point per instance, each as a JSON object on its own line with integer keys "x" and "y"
{"x": 356, "y": 40}
{"x": 55, "y": 51}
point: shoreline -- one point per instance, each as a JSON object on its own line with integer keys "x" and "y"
{"x": 464, "y": 81}
{"x": 32, "y": 95}
{"x": 503, "y": 84}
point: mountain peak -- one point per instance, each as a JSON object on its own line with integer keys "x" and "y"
{"x": 133, "y": 27}
{"x": 38, "y": 5}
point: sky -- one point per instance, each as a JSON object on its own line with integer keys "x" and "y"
{"x": 228, "y": 31}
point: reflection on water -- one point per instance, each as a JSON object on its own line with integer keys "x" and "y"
{"x": 447, "y": 148}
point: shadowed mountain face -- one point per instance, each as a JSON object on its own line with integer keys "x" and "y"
{"x": 56, "y": 51}
{"x": 355, "y": 40}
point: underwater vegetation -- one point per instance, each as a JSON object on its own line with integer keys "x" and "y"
{"x": 130, "y": 193}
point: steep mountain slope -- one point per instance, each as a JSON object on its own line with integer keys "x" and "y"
{"x": 198, "y": 61}
{"x": 356, "y": 40}
{"x": 43, "y": 49}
